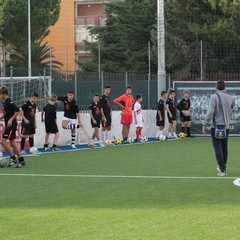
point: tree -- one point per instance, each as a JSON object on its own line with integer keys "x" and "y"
{"x": 14, "y": 30}
{"x": 215, "y": 23}
{"x": 124, "y": 39}
{"x": 42, "y": 57}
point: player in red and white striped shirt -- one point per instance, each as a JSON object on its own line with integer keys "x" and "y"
{"x": 138, "y": 117}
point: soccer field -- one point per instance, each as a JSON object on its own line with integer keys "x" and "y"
{"x": 164, "y": 190}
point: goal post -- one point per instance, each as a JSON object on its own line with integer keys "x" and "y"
{"x": 20, "y": 88}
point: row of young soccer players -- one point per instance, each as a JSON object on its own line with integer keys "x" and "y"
{"x": 100, "y": 108}
{"x": 10, "y": 111}
{"x": 168, "y": 103}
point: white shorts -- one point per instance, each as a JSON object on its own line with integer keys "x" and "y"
{"x": 139, "y": 124}
{"x": 71, "y": 120}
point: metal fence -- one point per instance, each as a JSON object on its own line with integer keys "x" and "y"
{"x": 85, "y": 85}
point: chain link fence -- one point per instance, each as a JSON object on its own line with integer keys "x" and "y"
{"x": 86, "y": 84}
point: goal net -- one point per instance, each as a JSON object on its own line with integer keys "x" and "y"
{"x": 20, "y": 88}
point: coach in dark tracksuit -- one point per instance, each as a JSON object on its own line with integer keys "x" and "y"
{"x": 220, "y": 114}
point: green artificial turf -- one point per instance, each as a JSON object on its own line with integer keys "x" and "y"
{"x": 139, "y": 191}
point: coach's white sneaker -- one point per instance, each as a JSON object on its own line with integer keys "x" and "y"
{"x": 222, "y": 174}
{"x": 218, "y": 169}
{"x": 73, "y": 146}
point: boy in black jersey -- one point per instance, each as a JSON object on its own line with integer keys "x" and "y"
{"x": 160, "y": 116}
{"x": 184, "y": 108}
{"x": 50, "y": 120}
{"x": 10, "y": 112}
{"x": 71, "y": 117}
{"x": 106, "y": 112}
{"x": 95, "y": 114}
{"x": 171, "y": 113}
{"x": 28, "y": 113}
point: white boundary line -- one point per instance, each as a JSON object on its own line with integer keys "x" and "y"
{"x": 111, "y": 176}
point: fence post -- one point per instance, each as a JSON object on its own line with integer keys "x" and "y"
{"x": 11, "y": 75}
{"x": 75, "y": 85}
{"x": 126, "y": 79}
{"x": 149, "y": 78}
{"x": 44, "y": 81}
{"x": 102, "y": 82}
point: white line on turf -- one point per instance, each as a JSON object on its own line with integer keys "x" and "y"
{"x": 110, "y": 176}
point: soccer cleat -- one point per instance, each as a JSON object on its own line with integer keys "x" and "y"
{"x": 45, "y": 147}
{"x": 101, "y": 144}
{"x": 55, "y": 149}
{"x": 12, "y": 163}
{"x": 175, "y": 136}
{"x": 218, "y": 169}
{"x": 73, "y": 146}
{"x": 23, "y": 152}
{"x": 21, "y": 164}
{"x": 222, "y": 174}
{"x": 170, "y": 135}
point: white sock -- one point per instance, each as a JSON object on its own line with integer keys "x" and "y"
{"x": 160, "y": 133}
{"x": 107, "y": 135}
{"x": 157, "y": 134}
{"x": 103, "y": 133}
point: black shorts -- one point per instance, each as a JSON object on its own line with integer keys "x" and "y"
{"x": 160, "y": 123}
{"x": 185, "y": 118}
{"x": 97, "y": 124}
{"x": 28, "y": 129}
{"x": 108, "y": 123}
{"x": 171, "y": 119}
{"x": 9, "y": 133}
{"x": 51, "y": 127}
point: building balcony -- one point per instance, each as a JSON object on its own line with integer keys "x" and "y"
{"x": 90, "y": 21}
{"x": 90, "y": 1}
{"x": 80, "y": 49}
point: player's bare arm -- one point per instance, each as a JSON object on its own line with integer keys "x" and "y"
{"x": 9, "y": 124}
{"x": 103, "y": 116}
{"x": 93, "y": 119}
{"x": 79, "y": 119}
{"x": 135, "y": 117}
{"x": 118, "y": 103}
{"x": 23, "y": 117}
{"x": 167, "y": 108}
{"x": 42, "y": 117}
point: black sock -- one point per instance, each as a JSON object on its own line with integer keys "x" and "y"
{"x": 31, "y": 142}
{"x": 45, "y": 145}
{"x": 23, "y": 143}
{"x": 13, "y": 157}
{"x": 188, "y": 131}
{"x": 21, "y": 159}
{"x": 183, "y": 129}
{"x": 54, "y": 145}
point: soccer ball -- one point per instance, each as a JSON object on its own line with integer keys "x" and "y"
{"x": 130, "y": 140}
{"x": 33, "y": 150}
{"x": 181, "y": 135}
{"x": 91, "y": 144}
{"x": 162, "y": 138}
{"x": 117, "y": 141}
{"x": 108, "y": 142}
{"x": 144, "y": 138}
{"x": 3, "y": 162}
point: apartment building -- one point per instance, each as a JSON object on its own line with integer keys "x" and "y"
{"x": 68, "y": 34}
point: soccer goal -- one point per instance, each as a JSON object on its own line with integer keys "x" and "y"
{"x": 20, "y": 88}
